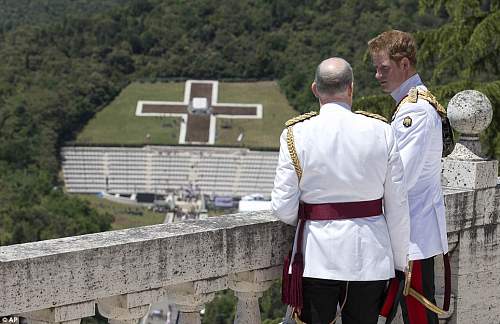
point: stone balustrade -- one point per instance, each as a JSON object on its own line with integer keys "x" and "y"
{"x": 123, "y": 272}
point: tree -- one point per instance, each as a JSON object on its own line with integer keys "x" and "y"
{"x": 463, "y": 54}
{"x": 467, "y": 46}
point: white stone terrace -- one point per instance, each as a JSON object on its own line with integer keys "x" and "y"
{"x": 123, "y": 272}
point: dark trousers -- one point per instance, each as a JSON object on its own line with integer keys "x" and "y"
{"x": 321, "y": 296}
{"x": 422, "y": 280}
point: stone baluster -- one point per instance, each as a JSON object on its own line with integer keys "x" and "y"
{"x": 190, "y": 305}
{"x": 67, "y": 314}
{"x": 127, "y": 308}
{"x": 190, "y": 298}
{"x": 248, "y": 287}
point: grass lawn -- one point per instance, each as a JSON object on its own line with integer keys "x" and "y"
{"x": 125, "y": 216}
{"x": 117, "y": 124}
{"x": 263, "y": 132}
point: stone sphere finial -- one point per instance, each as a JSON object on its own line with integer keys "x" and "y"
{"x": 470, "y": 112}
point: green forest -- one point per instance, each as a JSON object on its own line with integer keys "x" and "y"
{"x": 63, "y": 61}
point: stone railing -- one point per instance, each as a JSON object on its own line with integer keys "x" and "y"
{"x": 123, "y": 272}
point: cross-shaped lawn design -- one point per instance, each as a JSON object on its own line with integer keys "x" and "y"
{"x": 199, "y": 111}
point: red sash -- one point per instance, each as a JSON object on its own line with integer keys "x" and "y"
{"x": 291, "y": 286}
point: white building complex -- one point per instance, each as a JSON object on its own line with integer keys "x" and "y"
{"x": 157, "y": 169}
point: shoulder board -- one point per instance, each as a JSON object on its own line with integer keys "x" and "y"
{"x": 300, "y": 118}
{"x": 372, "y": 115}
{"x": 429, "y": 97}
{"x": 412, "y": 97}
{"x": 414, "y": 94}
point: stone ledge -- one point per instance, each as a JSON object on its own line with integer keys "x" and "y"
{"x": 469, "y": 208}
{"x": 52, "y": 273}
{"x": 70, "y": 270}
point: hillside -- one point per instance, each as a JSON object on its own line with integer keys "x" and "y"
{"x": 57, "y": 74}
{"x": 36, "y": 12}
{"x": 117, "y": 124}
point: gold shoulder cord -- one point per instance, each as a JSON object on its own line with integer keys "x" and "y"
{"x": 291, "y": 143}
{"x": 293, "y": 153}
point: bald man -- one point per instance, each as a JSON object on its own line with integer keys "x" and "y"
{"x": 340, "y": 180}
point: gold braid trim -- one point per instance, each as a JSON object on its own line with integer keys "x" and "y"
{"x": 300, "y": 118}
{"x": 408, "y": 290}
{"x": 412, "y": 97}
{"x": 291, "y": 143}
{"x": 371, "y": 115}
{"x": 427, "y": 303}
{"x": 414, "y": 94}
{"x": 429, "y": 97}
{"x": 293, "y": 153}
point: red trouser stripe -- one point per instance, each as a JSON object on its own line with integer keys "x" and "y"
{"x": 417, "y": 313}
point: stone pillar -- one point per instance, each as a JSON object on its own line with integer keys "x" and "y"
{"x": 127, "y": 308}
{"x": 470, "y": 113}
{"x": 248, "y": 287}
{"x": 189, "y": 307}
{"x": 67, "y": 314}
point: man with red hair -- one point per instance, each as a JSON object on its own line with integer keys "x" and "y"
{"x": 418, "y": 123}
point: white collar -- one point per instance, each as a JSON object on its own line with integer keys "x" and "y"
{"x": 336, "y": 104}
{"x": 404, "y": 88}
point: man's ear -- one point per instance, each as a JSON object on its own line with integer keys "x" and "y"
{"x": 314, "y": 89}
{"x": 404, "y": 64}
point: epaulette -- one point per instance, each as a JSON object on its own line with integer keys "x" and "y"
{"x": 372, "y": 115}
{"x": 414, "y": 94}
{"x": 429, "y": 97}
{"x": 412, "y": 97}
{"x": 447, "y": 132}
{"x": 300, "y": 118}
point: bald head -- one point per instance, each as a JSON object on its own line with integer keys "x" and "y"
{"x": 333, "y": 77}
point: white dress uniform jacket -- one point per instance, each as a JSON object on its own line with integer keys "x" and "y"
{"x": 420, "y": 145}
{"x": 345, "y": 157}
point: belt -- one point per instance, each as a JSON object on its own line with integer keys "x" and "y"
{"x": 341, "y": 210}
{"x": 335, "y": 211}
{"x": 292, "y": 283}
